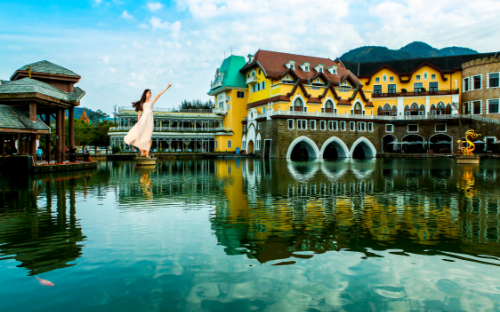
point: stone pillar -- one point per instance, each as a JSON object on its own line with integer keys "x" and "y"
{"x": 71, "y": 126}
{"x": 59, "y": 143}
{"x": 2, "y": 144}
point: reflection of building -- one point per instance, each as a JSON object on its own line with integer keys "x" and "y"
{"x": 34, "y": 236}
{"x": 349, "y": 205}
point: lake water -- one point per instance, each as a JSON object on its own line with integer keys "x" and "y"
{"x": 253, "y": 235}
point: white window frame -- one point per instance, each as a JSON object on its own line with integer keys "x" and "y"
{"x": 408, "y": 128}
{"x": 228, "y": 106}
{"x": 488, "y": 106}
{"x": 362, "y": 126}
{"x": 244, "y": 128}
{"x": 445, "y": 127}
{"x": 257, "y": 145}
{"x": 391, "y": 79}
{"x": 466, "y": 84}
{"x": 299, "y": 124}
{"x": 258, "y": 126}
{"x": 352, "y": 126}
{"x": 418, "y": 77}
{"x": 381, "y": 89}
{"x": 216, "y": 144}
{"x": 238, "y": 94}
{"x": 342, "y": 126}
{"x": 229, "y": 143}
{"x": 481, "y": 82}
{"x": 370, "y": 127}
{"x": 471, "y": 107}
{"x": 377, "y": 79}
{"x": 312, "y": 124}
{"x": 488, "y": 80}
{"x": 389, "y": 131}
{"x": 322, "y": 125}
{"x": 293, "y": 124}
{"x": 334, "y": 125}
{"x": 433, "y": 76}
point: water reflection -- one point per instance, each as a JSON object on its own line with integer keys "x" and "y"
{"x": 37, "y": 229}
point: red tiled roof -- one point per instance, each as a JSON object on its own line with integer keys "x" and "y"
{"x": 279, "y": 98}
{"x": 273, "y": 64}
{"x": 314, "y": 100}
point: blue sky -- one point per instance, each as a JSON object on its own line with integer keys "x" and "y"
{"x": 121, "y": 47}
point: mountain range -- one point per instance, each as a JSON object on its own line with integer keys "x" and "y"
{"x": 415, "y": 49}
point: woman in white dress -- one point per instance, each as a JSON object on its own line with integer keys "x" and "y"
{"x": 141, "y": 133}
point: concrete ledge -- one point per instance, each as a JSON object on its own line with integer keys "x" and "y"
{"x": 64, "y": 167}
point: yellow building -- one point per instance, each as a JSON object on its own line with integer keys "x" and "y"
{"x": 429, "y": 86}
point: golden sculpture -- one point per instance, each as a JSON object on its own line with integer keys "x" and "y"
{"x": 466, "y": 150}
{"x": 29, "y": 71}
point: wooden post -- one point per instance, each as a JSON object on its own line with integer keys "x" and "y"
{"x": 48, "y": 139}
{"x": 19, "y": 144}
{"x": 63, "y": 134}
{"x": 32, "y": 108}
{"x": 2, "y": 144}
{"x": 59, "y": 118}
{"x": 71, "y": 123}
{"x": 33, "y": 145}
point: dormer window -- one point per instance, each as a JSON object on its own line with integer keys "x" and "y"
{"x": 332, "y": 70}
{"x": 319, "y": 68}
{"x": 305, "y": 66}
{"x": 290, "y": 65}
{"x": 251, "y": 58}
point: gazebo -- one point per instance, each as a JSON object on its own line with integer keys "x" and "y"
{"x": 35, "y": 93}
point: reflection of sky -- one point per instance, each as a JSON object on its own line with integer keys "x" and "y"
{"x": 163, "y": 255}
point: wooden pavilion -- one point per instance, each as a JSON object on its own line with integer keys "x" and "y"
{"x": 35, "y": 93}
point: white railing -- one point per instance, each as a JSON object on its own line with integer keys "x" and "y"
{"x": 216, "y": 84}
{"x": 251, "y": 79}
{"x": 377, "y": 117}
{"x": 219, "y": 110}
{"x": 177, "y": 129}
{"x": 168, "y": 110}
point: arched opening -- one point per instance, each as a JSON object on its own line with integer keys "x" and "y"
{"x": 250, "y": 147}
{"x": 413, "y": 144}
{"x": 302, "y": 151}
{"x": 358, "y": 109}
{"x": 303, "y": 148}
{"x": 441, "y": 143}
{"x": 362, "y": 149}
{"x": 334, "y": 148}
{"x": 298, "y": 106}
{"x": 441, "y": 109}
{"x": 390, "y": 144}
{"x": 329, "y": 107}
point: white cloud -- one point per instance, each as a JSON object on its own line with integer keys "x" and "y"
{"x": 156, "y": 22}
{"x": 154, "y": 6}
{"x": 106, "y": 59}
{"x": 126, "y": 15}
{"x": 113, "y": 70}
{"x": 97, "y": 1}
{"x": 14, "y": 47}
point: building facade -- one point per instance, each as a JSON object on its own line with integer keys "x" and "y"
{"x": 190, "y": 130}
{"x": 481, "y": 87}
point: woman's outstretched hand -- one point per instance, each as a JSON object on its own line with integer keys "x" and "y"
{"x": 159, "y": 94}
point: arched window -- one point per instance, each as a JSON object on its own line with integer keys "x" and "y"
{"x": 440, "y": 109}
{"x": 433, "y": 109}
{"x": 298, "y": 106}
{"x": 407, "y": 110}
{"x": 387, "y": 110}
{"x": 329, "y": 107}
{"x": 358, "y": 110}
{"x": 380, "y": 111}
{"x": 447, "y": 110}
{"x": 422, "y": 110}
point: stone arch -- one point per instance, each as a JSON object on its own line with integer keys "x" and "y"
{"x": 312, "y": 148}
{"x": 342, "y": 149}
{"x": 386, "y": 139}
{"x": 450, "y": 146}
{"x": 368, "y": 148}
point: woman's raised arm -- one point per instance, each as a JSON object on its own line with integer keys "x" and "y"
{"x": 159, "y": 94}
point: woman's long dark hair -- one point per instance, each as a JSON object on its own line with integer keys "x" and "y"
{"x": 138, "y": 105}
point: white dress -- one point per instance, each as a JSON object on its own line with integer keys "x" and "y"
{"x": 141, "y": 133}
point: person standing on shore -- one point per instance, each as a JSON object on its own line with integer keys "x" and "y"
{"x": 141, "y": 133}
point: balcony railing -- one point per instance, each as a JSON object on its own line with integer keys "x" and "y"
{"x": 216, "y": 84}
{"x": 377, "y": 117}
{"x": 416, "y": 93}
{"x": 178, "y": 129}
{"x": 251, "y": 79}
{"x": 168, "y": 110}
